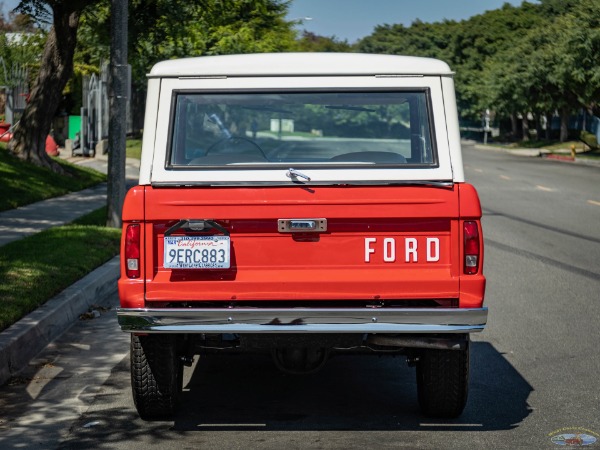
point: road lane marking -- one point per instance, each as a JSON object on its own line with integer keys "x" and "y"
{"x": 451, "y": 424}
{"x": 229, "y": 425}
{"x": 478, "y": 170}
{"x": 544, "y": 188}
{"x": 594, "y": 202}
{"x": 504, "y": 177}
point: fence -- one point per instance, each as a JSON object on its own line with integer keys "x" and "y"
{"x": 94, "y": 112}
{"x": 15, "y": 90}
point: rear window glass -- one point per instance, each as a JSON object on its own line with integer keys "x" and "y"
{"x": 304, "y": 128}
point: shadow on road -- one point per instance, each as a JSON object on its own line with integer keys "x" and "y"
{"x": 350, "y": 393}
{"x": 229, "y": 393}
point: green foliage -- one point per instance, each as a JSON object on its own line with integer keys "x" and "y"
{"x": 553, "y": 8}
{"x": 579, "y": 47}
{"x": 21, "y": 52}
{"x": 133, "y": 148}
{"x": 589, "y": 139}
{"x": 537, "y": 57}
{"x": 561, "y": 70}
{"x": 310, "y": 42}
{"x": 244, "y": 26}
{"x": 389, "y": 121}
{"x": 167, "y": 29}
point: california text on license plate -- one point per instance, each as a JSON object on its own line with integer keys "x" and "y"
{"x": 196, "y": 252}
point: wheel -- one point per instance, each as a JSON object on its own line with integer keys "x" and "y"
{"x": 443, "y": 382}
{"x": 156, "y": 375}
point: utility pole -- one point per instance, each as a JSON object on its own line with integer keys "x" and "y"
{"x": 117, "y": 127}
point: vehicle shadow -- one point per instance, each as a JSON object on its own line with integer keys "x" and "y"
{"x": 245, "y": 392}
{"x": 229, "y": 396}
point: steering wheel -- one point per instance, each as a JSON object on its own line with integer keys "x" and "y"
{"x": 234, "y": 141}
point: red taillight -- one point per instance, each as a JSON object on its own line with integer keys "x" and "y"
{"x": 472, "y": 249}
{"x": 132, "y": 251}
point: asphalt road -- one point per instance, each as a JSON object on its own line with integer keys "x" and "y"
{"x": 535, "y": 370}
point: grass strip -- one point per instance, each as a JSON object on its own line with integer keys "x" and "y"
{"x": 22, "y": 183}
{"x": 38, "y": 267}
{"x": 133, "y": 148}
{"x": 595, "y": 156}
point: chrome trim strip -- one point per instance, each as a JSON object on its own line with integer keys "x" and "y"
{"x": 439, "y": 184}
{"x": 303, "y": 320}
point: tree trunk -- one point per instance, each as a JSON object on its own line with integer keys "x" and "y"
{"x": 56, "y": 67}
{"x": 549, "y": 117}
{"x": 513, "y": 123}
{"x": 525, "y": 122}
{"x": 538, "y": 126}
{"x": 564, "y": 124}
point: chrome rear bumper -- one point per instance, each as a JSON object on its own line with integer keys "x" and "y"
{"x": 303, "y": 320}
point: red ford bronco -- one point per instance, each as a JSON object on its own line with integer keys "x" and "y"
{"x": 302, "y": 205}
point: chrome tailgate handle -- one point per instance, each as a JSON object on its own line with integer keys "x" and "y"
{"x": 302, "y": 225}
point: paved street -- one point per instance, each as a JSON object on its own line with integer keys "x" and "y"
{"x": 534, "y": 370}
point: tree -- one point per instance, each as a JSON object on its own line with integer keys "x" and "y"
{"x": 311, "y": 42}
{"x": 579, "y": 50}
{"x": 16, "y": 22}
{"x": 467, "y": 46}
{"x": 23, "y": 52}
{"x": 56, "y": 67}
{"x": 167, "y": 29}
{"x": 560, "y": 72}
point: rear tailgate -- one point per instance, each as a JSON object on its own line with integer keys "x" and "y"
{"x": 380, "y": 243}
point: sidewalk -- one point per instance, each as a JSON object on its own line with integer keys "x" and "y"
{"x": 100, "y": 163}
{"x": 535, "y": 153}
{"x": 26, "y": 338}
{"x": 27, "y": 220}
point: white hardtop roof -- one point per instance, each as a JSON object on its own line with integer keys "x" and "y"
{"x": 299, "y": 64}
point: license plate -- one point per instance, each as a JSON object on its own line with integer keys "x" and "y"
{"x": 196, "y": 252}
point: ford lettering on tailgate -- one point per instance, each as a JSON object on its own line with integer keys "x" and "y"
{"x": 402, "y": 249}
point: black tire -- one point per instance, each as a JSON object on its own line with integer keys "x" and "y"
{"x": 443, "y": 382}
{"x": 156, "y": 375}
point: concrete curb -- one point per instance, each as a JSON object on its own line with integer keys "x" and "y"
{"x": 22, "y": 341}
{"x": 537, "y": 153}
{"x": 531, "y": 152}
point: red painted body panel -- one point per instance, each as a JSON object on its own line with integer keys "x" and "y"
{"x": 334, "y": 265}
{"x": 470, "y": 207}
{"x": 472, "y": 287}
{"x": 131, "y": 291}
